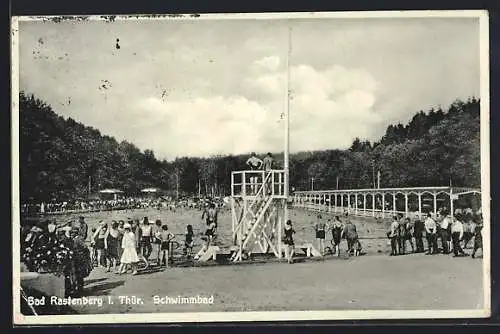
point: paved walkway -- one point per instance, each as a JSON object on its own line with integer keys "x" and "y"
{"x": 380, "y": 282}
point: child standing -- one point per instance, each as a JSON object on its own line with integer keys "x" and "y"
{"x": 129, "y": 256}
{"x": 319, "y": 227}
{"x": 210, "y": 232}
{"x": 165, "y": 237}
{"x": 288, "y": 241}
{"x": 188, "y": 243}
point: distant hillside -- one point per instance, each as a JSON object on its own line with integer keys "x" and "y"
{"x": 60, "y": 157}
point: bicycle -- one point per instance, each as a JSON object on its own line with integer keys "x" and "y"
{"x": 143, "y": 263}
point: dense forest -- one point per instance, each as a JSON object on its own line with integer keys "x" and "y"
{"x": 63, "y": 159}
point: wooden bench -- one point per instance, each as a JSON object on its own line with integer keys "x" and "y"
{"x": 308, "y": 249}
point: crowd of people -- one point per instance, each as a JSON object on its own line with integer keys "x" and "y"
{"x": 339, "y": 230}
{"x": 455, "y": 234}
{"x": 70, "y": 249}
{"x": 124, "y": 203}
{"x": 119, "y": 245}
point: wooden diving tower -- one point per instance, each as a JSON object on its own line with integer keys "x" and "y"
{"x": 259, "y": 208}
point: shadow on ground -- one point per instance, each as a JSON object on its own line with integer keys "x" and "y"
{"x": 102, "y": 289}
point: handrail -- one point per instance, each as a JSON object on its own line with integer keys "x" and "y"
{"x": 341, "y": 191}
{"x": 256, "y": 173}
{"x": 254, "y": 226}
{"x": 250, "y": 208}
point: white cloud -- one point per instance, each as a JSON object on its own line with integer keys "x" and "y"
{"x": 225, "y": 82}
{"x": 204, "y": 126}
{"x": 270, "y": 63}
{"x": 325, "y": 113}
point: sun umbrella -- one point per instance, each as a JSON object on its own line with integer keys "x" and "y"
{"x": 110, "y": 191}
{"x": 150, "y": 190}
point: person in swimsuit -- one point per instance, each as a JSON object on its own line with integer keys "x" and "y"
{"x": 255, "y": 164}
{"x": 268, "y": 162}
{"x": 99, "y": 237}
{"x": 288, "y": 241}
{"x": 210, "y": 215}
{"x": 82, "y": 228}
{"x": 337, "y": 229}
{"x": 188, "y": 243}
{"x": 157, "y": 229}
{"x": 166, "y": 237}
{"x": 320, "y": 228}
{"x": 268, "y": 165}
{"x": 210, "y": 232}
{"x": 111, "y": 244}
{"x": 137, "y": 233}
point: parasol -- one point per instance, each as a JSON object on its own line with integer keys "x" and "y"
{"x": 150, "y": 190}
{"x": 110, "y": 191}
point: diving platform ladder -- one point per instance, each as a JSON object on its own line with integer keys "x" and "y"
{"x": 258, "y": 205}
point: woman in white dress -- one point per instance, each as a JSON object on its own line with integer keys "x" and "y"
{"x": 129, "y": 255}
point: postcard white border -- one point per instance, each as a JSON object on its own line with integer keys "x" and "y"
{"x": 19, "y": 319}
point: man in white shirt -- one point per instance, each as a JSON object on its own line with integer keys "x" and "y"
{"x": 457, "y": 232}
{"x": 430, "y": 233}
{"x": 445, "y": 233}
{"x": 255, "y": 164}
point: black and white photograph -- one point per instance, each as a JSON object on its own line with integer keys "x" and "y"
{"x": 250, "y": 167}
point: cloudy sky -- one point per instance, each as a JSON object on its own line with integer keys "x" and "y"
{"x": 202, "y": 87}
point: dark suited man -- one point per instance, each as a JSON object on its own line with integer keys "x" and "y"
{"x": 407, "y": 234}
{"x": 401, "y": 236}
{"x": 418, "y": 233}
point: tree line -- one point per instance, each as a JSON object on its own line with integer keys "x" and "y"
{"x": 63, "y": 159}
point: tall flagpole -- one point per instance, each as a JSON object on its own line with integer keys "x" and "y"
{"x": 287, "y": 111}
{"x": 287, "y": 127}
